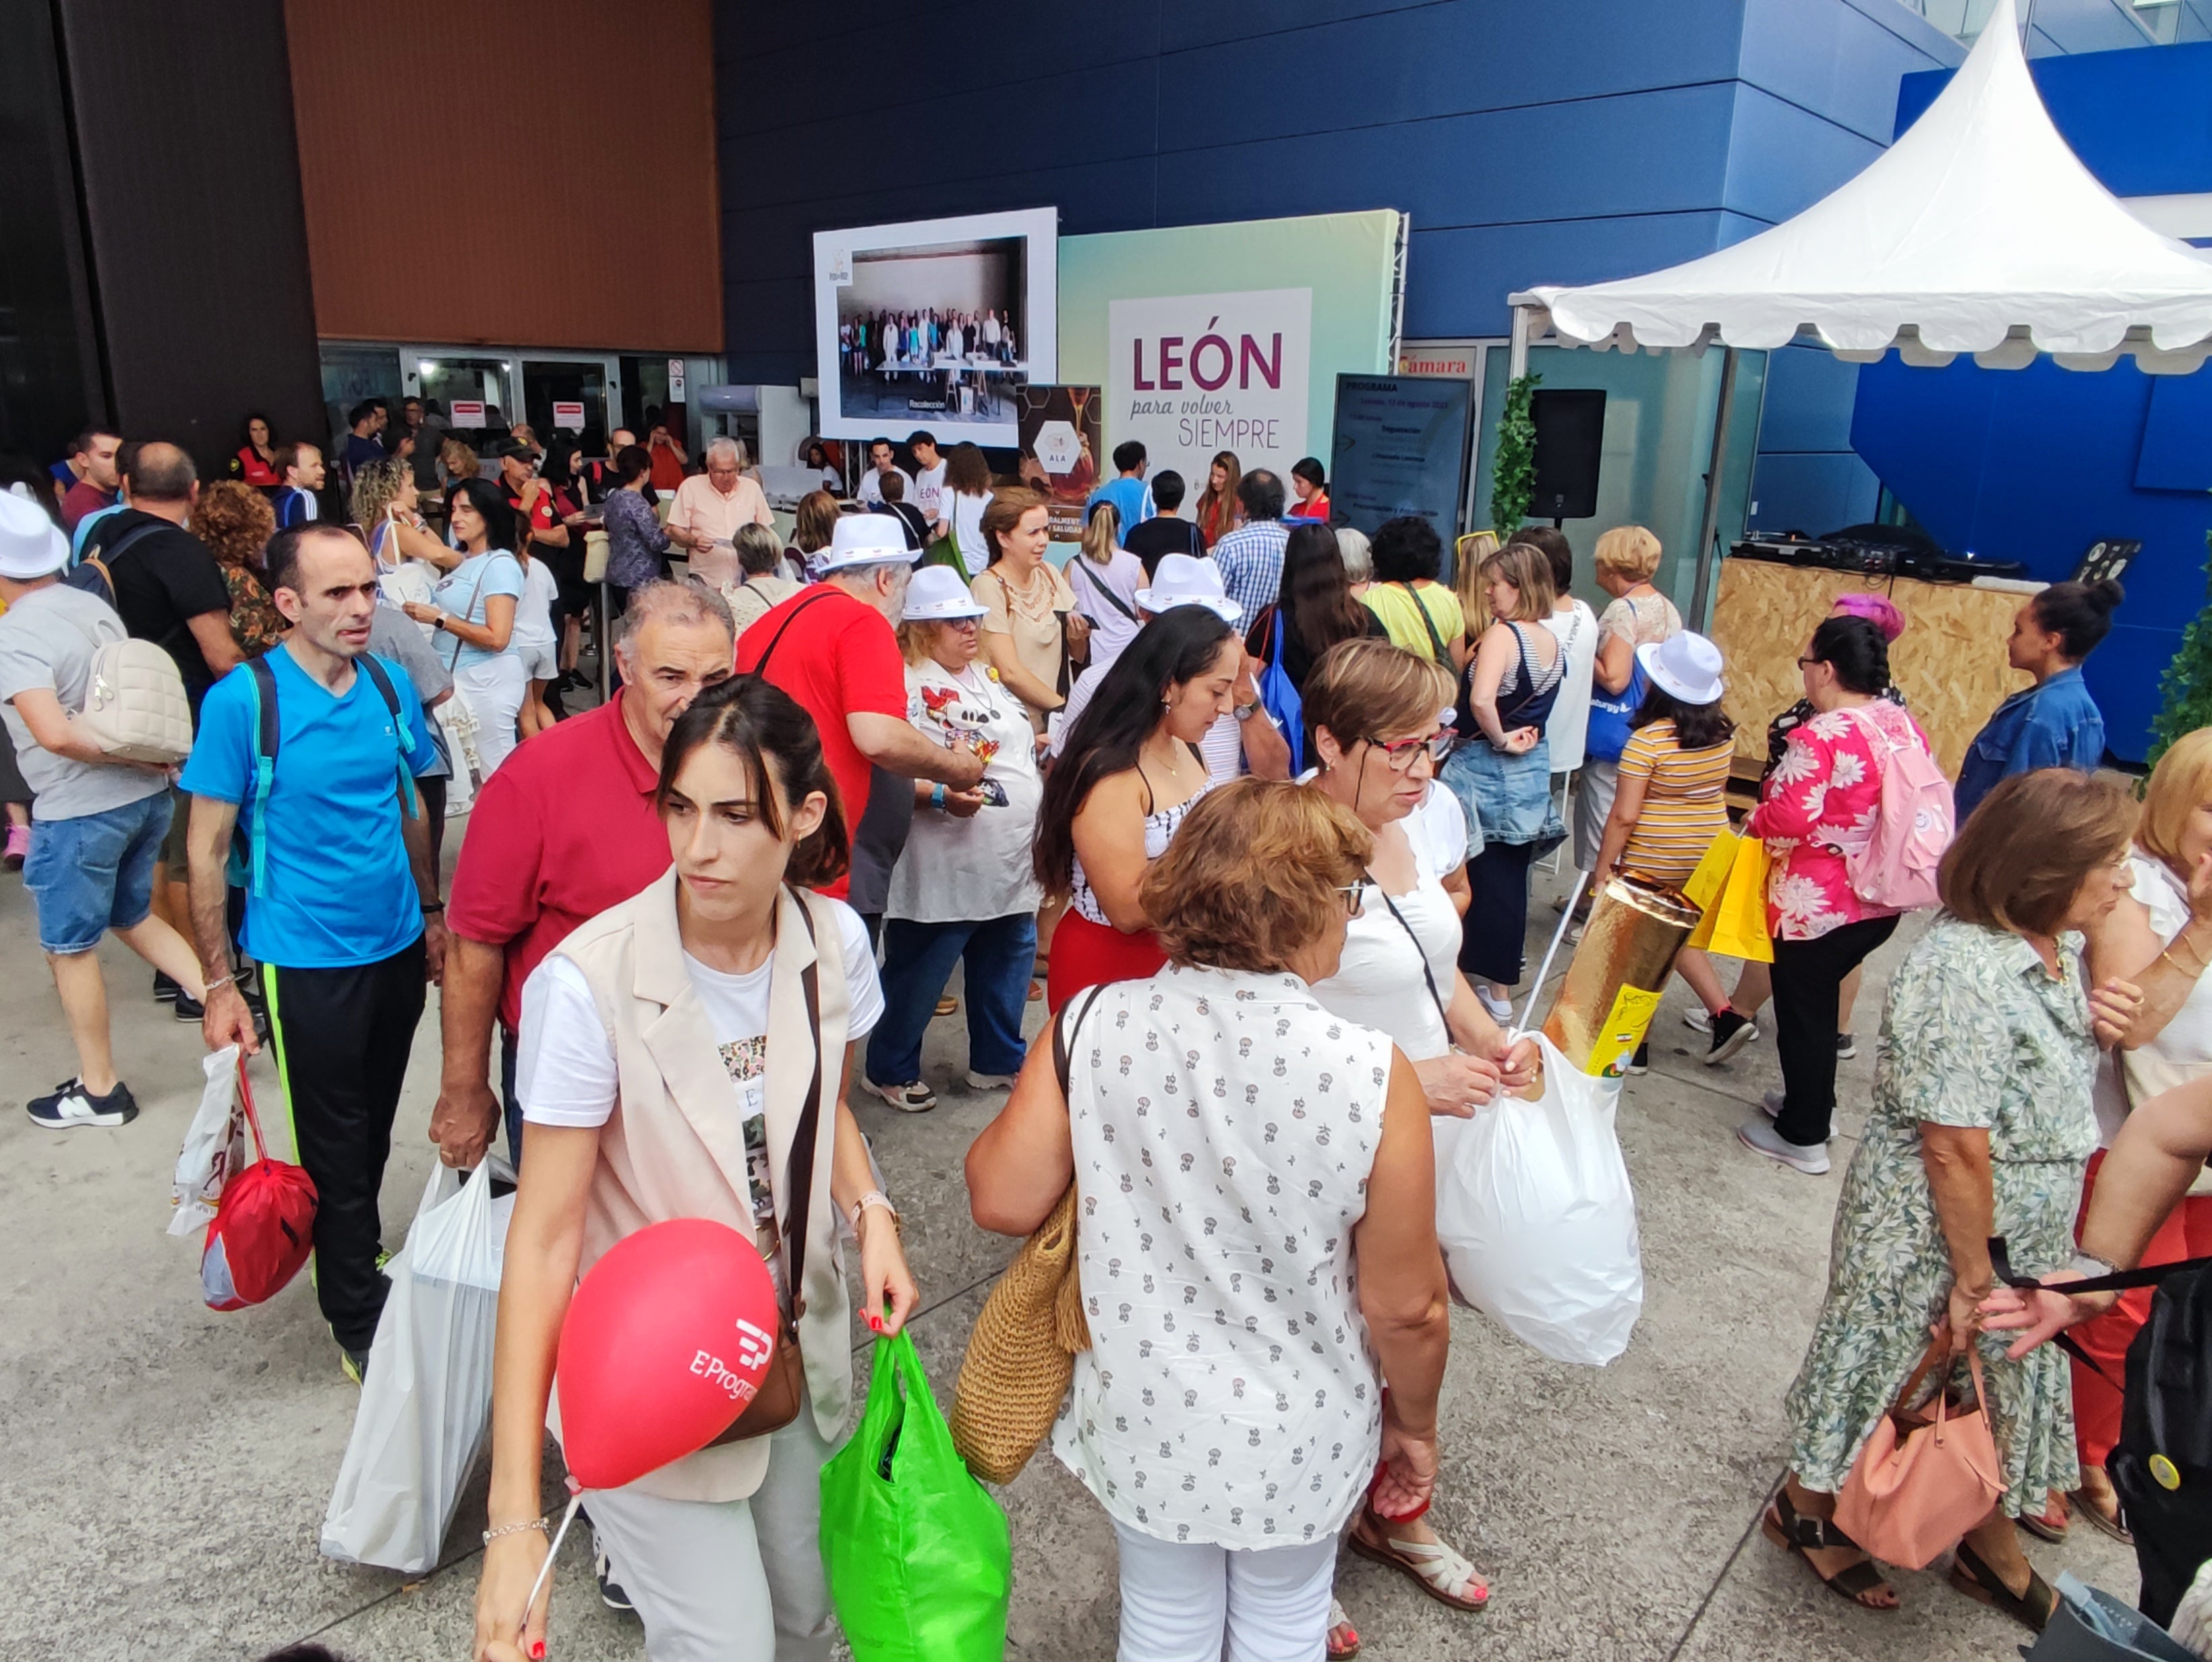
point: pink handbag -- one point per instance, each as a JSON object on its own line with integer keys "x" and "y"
{"x": 1919, "y": 1485}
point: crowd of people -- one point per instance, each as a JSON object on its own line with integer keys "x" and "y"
{"x": 1248, "y": 801}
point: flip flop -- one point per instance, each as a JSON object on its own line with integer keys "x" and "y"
{"x": 2086, "y": 1507}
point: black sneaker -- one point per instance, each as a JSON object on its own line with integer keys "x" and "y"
{"x": 611, "y": 1593}
{"x": 1846, "y": 1047}
{"x": 1641, "y": 1062}
{"x": 188, "y": 1008}
{"x": 354, "y": 1363}
{"x": 1731, "y": 1032}
{"x": 165, "y": 988}
{"x": 69, "y": 1106}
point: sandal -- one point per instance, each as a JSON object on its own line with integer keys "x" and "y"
{"x": 2085, "y": 1504}
{"x": 2049, "y": 1524}
{"x": 2031, "y": 1608}
{"x": 1431, "y": 1566}
{"x": 1793, "y": 1533}
{"x": 1341, "y": 1648}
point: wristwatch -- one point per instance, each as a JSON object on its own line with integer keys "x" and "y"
{"x": 1246, "y": 712}
{"x": 438, "y": 622}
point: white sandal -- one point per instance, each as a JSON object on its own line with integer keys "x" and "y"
{"x": 1432, "y": 1565}
{"x": 1338, "y": 1618}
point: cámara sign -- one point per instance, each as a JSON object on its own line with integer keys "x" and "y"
{"x": 1192, "y": 375}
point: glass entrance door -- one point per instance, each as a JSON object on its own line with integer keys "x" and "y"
{"x": 568, "y": 396}
{"x": 479, "y": 386}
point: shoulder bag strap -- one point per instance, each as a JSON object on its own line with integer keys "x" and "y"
{"x": 1436, "y": 640}
{"x": 1063, "y": 1031}
{"x": 1105, "y": 590}
{"x": 474, "y": 589}
{"x": 2119, "y": 1280}
{"x": 776, "y": 639}
{"x": 799, "y": 1184}
{"x": 1420, "y": 952}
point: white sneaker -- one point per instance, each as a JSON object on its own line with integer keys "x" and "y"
{"x": 1501, "y": 1009}
{"x": 915, "y": 1097}
{"x": 1761, "y": 1138}
{"x": 989, "y": 1081}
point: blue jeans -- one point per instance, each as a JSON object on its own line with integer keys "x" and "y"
{"x": 917, "y": 960}
{"x": 95, "y": 872}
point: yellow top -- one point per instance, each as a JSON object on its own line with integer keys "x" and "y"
{"x": 1401, "y": 607}
{"x": 1683, "y": 803}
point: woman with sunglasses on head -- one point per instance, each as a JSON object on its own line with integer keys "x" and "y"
{"x": 1374, "y": 711}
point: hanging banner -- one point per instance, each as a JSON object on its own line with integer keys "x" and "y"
{"x": 1059, "y": 428}
{"x": 1191, "y": 375}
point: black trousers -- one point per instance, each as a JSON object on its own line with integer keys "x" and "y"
{"x": 343, "y": 1037}
{"x": 1808, "y": 980}
{"x": 1497, "y": 930}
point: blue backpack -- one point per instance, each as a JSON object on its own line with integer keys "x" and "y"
{"x": 1281, "y": 698}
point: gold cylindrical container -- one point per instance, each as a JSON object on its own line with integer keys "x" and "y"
{"x": 1612, "y": 986}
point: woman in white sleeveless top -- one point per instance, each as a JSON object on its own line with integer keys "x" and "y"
{"x": 1255, "y": 1234}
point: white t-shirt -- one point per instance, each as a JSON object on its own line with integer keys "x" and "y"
{"x": 565, "y": 1066}
{"x": 926, "y": 492}
{"x": 966, "y": 513}
{"x": 967, "y": 871}
{"x": 1378, "y": 982}
{"x": 1568, "y": 726}
{"x": 1112, "y": 627}
{"x": 533, "y": 613}
{"x": 871, "y": 485}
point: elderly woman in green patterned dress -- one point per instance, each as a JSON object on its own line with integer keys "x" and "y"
{"x": 1981, "y": 1126}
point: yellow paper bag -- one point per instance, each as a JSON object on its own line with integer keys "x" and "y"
{"x": 1711, "y": 877}
{"x": 1734, "y": 923}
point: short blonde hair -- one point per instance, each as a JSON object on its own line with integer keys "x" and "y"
{"x": 1528, "y": 569}
{"x": 2026, "y": 850}
{"x": 1628, "y": 550}
{"x": 1256, "y": 872}
{"x": 1372, "y": 689}
{"x": 2179, "y": 784}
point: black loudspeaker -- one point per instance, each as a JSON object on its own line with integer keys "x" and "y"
{"x": 1570, "y": 439}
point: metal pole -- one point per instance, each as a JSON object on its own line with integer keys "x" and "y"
{"x": 1709, "y": 523}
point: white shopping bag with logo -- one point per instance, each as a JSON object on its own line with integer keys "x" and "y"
{"x": 426, "y": 1403}
{"x": 1536, "y": 1217}
{"x": 215, "y": 1146}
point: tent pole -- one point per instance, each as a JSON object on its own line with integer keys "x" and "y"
{"x": 1709, "y": 523}
{"x": 1516, "y": 353}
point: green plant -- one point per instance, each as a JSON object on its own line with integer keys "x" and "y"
{"x": 1513, "y": 469}
{"x": 2187, "y": 682}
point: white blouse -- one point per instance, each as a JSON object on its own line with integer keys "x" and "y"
{"x": 2183, "y": 1049}
{"x": 1379, "y": 983}
{"x": 1224, "y": 1128}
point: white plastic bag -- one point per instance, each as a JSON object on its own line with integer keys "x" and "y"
{"x": 214, "y": 1145}
{"x": 426, "y": 1402}
{"x": 1536, "y": 1217}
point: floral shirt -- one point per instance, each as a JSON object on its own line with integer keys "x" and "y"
{"x": 255, "y": 622}
{"x": 1822, "y": 797}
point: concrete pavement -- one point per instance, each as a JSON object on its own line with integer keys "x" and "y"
{"x": 167, "y": 1468}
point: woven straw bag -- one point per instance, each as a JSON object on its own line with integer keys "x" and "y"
{"x": 1021, "y": 1355}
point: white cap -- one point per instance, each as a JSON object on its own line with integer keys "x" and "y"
{"x": 866, "y": 539}
{"x": 1686, "y": 666}
{"x": 31, "y": 544}
{"x": 1184, "y": 580}
{"x": 937, "y": 595}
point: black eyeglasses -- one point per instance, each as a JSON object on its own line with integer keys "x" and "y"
{"x": 1355, "y": 895}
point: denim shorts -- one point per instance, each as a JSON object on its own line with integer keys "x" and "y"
{"x": 95, "y": 872}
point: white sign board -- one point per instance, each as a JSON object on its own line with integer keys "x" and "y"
{"x": 467, "y": 412}
{"x": 1188, "y": 375}
{"x": 675, "y": 380}
{"x": 570, "y": 415}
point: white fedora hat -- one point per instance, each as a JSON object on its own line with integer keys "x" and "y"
{"x": 1687, "y": 665}
{"x": 1184, "y": 580}
{"x": 31, "y": 544}
{"x": 936, "y": 596}
{"x": 867, "y": 540}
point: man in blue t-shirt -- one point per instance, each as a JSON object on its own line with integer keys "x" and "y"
{"x": 1130, "y": 496}
{"x": 342, "y": 913}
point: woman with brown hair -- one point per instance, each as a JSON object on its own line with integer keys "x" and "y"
{"x": 1217, "y": 504}
{"x": 813, "y": 525}
{"x": 1031, "y": 630}
{"x": 1217, "y": 1544}
{"x": 1980, "y": 1127}
{"x": 1315, "y": 610}
{"x": 967, "y": 493}
{"x": 660, "y": 1060}
{"x": 236, "y": 522}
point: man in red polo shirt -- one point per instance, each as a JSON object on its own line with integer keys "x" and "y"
{"x": 831, "y": 647}
{"x": 564, "y": 830}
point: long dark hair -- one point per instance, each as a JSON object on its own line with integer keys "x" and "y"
{"x": 500, "y": 526}
{"x": 1697, "y": 727}
{"x": 759, "y": 723}
{"x": 1316, "y": 601}
{"x": 1178, "y": 646}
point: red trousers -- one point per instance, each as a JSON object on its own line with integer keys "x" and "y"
{"x": 1085, "y": 954}
{"x": 2187, "y": 1234}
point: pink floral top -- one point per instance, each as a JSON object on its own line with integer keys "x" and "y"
{"x": 1823, "y": 795}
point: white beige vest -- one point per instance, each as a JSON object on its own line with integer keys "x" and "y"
{"x": 675, "y": 1147}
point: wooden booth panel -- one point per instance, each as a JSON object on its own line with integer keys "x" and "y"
{"x": 1950, "y": 661}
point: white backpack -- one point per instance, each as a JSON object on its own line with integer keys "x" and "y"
{"x": 135, "y": 707}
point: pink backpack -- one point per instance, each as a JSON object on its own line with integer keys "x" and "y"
{"x": 1913, "y": 826}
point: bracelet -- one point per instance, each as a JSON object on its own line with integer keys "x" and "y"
{"x": 2167, "y": 956}
{"x": 937, "y": 798}
{"x": 216, "y": 986}
{"x": 873, "y": 1197}
{"x": 433, "y": 906}
{"x": 2088, "y": 1266}
{"x": 492, "y": 1535}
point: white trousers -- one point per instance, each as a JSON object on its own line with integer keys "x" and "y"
{"x": 1596, "y": 783}
{"x": 1180, "y": 1602}
{"x": 494, "y": 688}
{"x": 729, "y": 1580}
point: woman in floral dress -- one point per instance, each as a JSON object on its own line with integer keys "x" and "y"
{"x": 1824, "y": 795}
{"x": 1981, "y": 1127}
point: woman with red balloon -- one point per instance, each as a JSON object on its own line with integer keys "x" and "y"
{"x": 683, "y": 1086}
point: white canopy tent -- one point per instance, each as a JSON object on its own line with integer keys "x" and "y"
{"x": 1979, "y": 231}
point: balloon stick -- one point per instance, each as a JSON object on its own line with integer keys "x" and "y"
{"x": 575, "y": 1503}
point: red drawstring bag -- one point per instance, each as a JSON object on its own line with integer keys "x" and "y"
{"x": 263, "y": 1227}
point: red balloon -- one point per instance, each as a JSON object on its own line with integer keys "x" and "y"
{"x": 665, "y": 1343}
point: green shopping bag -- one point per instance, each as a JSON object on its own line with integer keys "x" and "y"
{"x": 920, "y": 1565}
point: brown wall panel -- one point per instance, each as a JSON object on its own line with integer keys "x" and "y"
{"x": 511, "y": 172}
